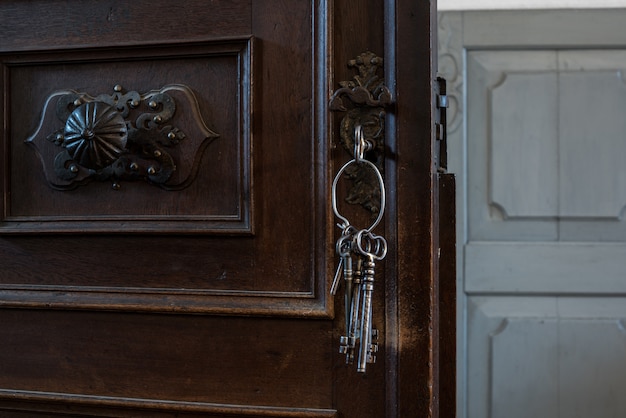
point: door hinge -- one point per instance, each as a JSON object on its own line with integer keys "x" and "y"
{"x": 441, "y": 134}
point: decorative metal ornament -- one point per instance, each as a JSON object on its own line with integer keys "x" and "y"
{"x": 124, "y": 136}
{"x": 95, "y": 135}
{"x": 364, "y": 99}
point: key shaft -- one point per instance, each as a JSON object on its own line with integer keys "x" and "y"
{"x": 366, "y": 314}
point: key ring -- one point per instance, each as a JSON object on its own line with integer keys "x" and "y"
{"x": 360, "y": 146}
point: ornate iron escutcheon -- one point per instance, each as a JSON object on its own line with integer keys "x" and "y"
{"x": 364, "y": 99}
{"x": 124, "y": 136}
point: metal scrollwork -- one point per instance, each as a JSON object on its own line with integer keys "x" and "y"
{"x": 124, "y": 136}
{"x": 364, "y": 99}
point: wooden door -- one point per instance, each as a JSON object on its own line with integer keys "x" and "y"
{"x": 167, "y": 240}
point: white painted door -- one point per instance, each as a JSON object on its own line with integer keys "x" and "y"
{"x": 537, "y": 137}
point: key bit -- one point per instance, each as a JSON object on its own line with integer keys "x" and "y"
{"x": 371, "y": 353}
{"x": 343, "y": 344}
{"x": 347, "y": 347}
{"x": 374, "y": 334}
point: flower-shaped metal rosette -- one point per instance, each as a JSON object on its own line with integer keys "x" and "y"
{"x": 95, "y": 135}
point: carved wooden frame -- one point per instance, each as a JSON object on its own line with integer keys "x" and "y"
{"x": 239, "y": 222}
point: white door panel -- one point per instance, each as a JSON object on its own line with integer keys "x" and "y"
{"x": 546, "y": 357}
{"x": 538, "y": 141}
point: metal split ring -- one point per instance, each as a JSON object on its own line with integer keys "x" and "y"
{"x": 359, "y": 149}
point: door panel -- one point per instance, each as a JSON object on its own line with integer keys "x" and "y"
{"x": 161, "y": 272}
{"x": 216, "y": 198}
{"x": 543, "y": 229}
{"x": 215, "y": 237}
{"x": 176, "y": 358}
{"x": 166, "y": 237}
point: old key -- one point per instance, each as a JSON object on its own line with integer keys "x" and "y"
{"x": 358, "y": 251}
{"x": 344, "y": 248}
{"x": 372, "y": 248}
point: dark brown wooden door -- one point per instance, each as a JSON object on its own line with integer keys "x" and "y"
{"x": 166, "y": 234}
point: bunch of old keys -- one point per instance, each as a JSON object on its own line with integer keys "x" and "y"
{"x": 358, "y": 251}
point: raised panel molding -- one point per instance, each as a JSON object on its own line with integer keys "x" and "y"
{"x": 489, "y": 322}
{"x": 210, "y": 188}
{"x": 545, "y": 125}
{"x": 524, "y": 352}
{"x": 592, "y": 98}
{"x": 592, "y": 378}
{"x": 523, "y": 148}
{"x": 541, "y": 357}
